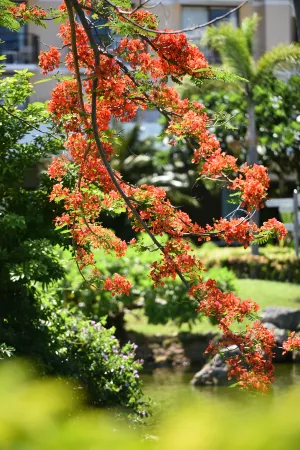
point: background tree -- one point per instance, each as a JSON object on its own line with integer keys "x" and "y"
{"x": 277, "y": 110}
{"x": 235, "y": 46}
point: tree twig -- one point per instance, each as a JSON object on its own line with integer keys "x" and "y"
{"x": 99, "y": 145}
{"x": 15, "y": 116}
{"x": 124, "y": 14}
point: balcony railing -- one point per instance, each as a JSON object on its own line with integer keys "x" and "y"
{"x": 19, "y": 48}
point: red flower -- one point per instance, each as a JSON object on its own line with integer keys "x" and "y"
{"x": 50, "y": 60}
{"x": 292, "y": 343}
{"x": 117, "y": 285}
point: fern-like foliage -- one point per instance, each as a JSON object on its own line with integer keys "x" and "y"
{"x": 263, "y": 237}
{"x": 279, "y": 57}
{"x": 217, "y": 74}
{"x": 6, "y": 18}
{"x": 249, "y": 28}
{"x": 234, "y": 45}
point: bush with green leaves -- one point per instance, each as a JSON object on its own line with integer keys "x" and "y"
{"x": 161, "y": 304}
{"x": 273, "y": 267}
{"x": 27, "y": 236}
{"x": 275, "y": 263}
{"x": 90, "y": 354}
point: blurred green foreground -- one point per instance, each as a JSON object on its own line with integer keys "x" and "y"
{"x": 44, "y": 414}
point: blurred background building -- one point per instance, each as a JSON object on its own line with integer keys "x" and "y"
{"x": 277, "y": 26}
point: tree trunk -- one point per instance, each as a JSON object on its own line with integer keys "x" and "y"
{"x": 252, "y": 157}
{"x": 297, "y": 12}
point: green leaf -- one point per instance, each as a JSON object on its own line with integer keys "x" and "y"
{"x": 44, "y": 80}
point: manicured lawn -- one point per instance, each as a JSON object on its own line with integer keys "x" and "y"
{"x": 265, "y": 293}
{"x": 138, "y": 322}
{"x": 269, "y": 293}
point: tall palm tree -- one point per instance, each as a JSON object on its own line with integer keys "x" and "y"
{"x": 235, "y": 47}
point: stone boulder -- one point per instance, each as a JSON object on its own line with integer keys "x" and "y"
{"x": 282, "y": 317}
{"x": 280, "y": 336}
{"x": 215, "y": 372}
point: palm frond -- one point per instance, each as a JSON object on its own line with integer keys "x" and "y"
{"x": 249, "y": 27}
{"x": 6, "y": 17}
{"x": 232, "y": 44}
{"x": 279, "y": 57}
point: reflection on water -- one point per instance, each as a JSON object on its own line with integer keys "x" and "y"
{"x": 170, "y": 388}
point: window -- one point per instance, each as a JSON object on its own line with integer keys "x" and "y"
{"x": 19, "y": 47}
{"x": 197, "y": 15}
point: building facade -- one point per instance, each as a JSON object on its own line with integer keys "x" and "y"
{"x": 277, "y": 25}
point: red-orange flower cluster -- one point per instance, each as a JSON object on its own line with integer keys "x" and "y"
{"x": 218, "y": 163}
{"x": 50, "y": 60}
{"x": 123, "y": 80}
{"x": 176, "y": 257}
{"x": 117, "y": 285}
{"x": 277, "y": 228}
{"x": 22, "y": 11}
{"x": 253, "y": 183}
{"x": 253, "y": 369}
{"x": 225, "y": 307}
{"x": 292, "y": 343}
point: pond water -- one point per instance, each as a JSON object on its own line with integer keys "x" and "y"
{"x": 170, "y": 388}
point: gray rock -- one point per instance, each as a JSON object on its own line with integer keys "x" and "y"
{"x": 280, "y": 336}
{"x": 282, "y": 317}
{"x": 215, "y": 372}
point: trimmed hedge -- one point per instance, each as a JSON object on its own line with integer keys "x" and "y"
{"x": 275, "y": 267}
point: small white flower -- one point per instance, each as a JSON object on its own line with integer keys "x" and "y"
{"x": 229, "y": 139}
{"x": 261, "y": 149}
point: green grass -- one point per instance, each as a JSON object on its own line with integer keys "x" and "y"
{"x": 269, "y": 293}
{"x": 138, "y": 322}
{"x": 265, "y": 293}
{"x": 210, "y": 250}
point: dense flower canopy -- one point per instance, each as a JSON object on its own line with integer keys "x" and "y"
{"x": 114, "y": 82}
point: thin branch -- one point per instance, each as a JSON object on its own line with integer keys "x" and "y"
{"x": 124, "y": 14}
{"x": 98, "y": 142}
{"x": 155, "y": 5}
{"x": 77, "y": 74}
{"x": 15, "y": 116}
{"x": 141, "y": 6}
{"x": 138, "y": 7}
{"x": 74, "y": 51}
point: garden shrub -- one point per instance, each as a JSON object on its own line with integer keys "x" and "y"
{"x": 275, "y": 267}
{"x": 89, "y": 353}
{"x": 162, "y": 304}
{"x": 27, "y": 238}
